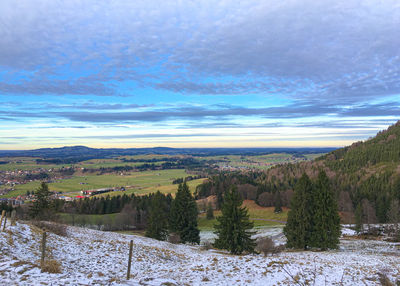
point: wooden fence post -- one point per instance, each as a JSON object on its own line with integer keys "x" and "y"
{"x": 13, "y": 217}
{"x": 128, "y": 274}
{"x": 2, "y": 217}
{"x": 5, "y": 222}
{"x": 43, "y": 250}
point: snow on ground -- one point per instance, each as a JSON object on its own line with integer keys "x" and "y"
{"x": 90, "y": 257}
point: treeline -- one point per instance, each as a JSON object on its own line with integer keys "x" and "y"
{"x": 186, "y": 179}
{"x": 186, "y": 163}
{"x": 151, "y": 160}
{"x": 60, "y": 161}
{"x": 249, "y": 185}
{"x": 109, "y": 205}
{"x": 157, "y": 213}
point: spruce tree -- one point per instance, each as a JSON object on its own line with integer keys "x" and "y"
{"x": 299, "y": 223}
{"x": 157, "y": 226}
{"x": 326, "y": 220}
{"x": 183, "y": 215}
{"x": 41, "y": 208}
{"x": 234, "y": 228}
{"x": 210, "y": 212}
{"x": 277, "y": 202}
{"x": 358, "y": 218}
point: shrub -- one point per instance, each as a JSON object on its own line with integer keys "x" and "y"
{"x": 174, "y": 238}
{"x": 267, "y": 246}
{"x": 52, "y": 266}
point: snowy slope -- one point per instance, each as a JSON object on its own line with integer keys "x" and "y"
{"x": 90, "y": 257}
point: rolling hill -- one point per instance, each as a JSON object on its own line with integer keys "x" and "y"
{"x": 365, "y": 174}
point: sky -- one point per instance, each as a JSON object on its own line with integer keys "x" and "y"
{"x": 197, "y": 73}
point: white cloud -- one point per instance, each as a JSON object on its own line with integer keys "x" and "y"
{"x": 342, "y": 49}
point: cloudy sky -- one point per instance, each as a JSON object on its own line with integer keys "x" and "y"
{"x": 197, "y": 73}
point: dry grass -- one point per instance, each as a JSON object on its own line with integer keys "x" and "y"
{"x": 384, "y": 280}
{"x": 20, "y": 262}
{"x": 52, "y": 266}
{"x": 10, "y": 239}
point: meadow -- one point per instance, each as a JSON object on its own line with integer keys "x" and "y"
{"x": 261, "y": 216}
{"x": 134, "y": 182}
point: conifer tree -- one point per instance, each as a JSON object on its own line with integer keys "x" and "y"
{"x": 233, "y": 227}
{"x": 326, "y": 221}
{"x": 41, "y": 208}
{"x": 210, "y": 212}
{"x": 299, "y": 223}
{"x": 158, "y": 218}
{"x": 358, "y": 218}
{"x": 183, "y": 215}
{"x": 277, "y": 202}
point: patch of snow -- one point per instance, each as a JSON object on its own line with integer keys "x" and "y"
{"x": 90, "y": 257}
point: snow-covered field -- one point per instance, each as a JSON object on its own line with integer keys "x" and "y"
{"x": 90, "y": 257}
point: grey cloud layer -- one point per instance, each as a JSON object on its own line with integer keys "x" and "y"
{"x": 193, "y": 113}
{"x": 335, "y": 49}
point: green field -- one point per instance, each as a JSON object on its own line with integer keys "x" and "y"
{"x": 25, "y": 163}
{"x": 136, "y": 182}
{"x": 261, "y": 216}
{"x": 258, "y": 161}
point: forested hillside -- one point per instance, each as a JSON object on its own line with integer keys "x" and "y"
{"x": 365, "y": 177}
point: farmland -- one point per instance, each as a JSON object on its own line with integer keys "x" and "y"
{"x": 138, "y": 174}
{"x": 136, "y": 182}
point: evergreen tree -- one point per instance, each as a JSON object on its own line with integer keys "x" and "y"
{"x": 233, "y": 227}
{"x": 183, "y": 215}
{"x": 210, "y": 212}
{"x": 277, "y": 202}
{"x": 299, "y": 223}
{"x": 358, "y": 218}
{"x": 158, "y": 218}
{"x": 326, "y": 220}
{"x": 41, "y": 208}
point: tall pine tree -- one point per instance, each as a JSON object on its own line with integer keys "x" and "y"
{"x": 313, "y": 220}
{"x": 157, "y": 226}
{"x": 210, "y": 211}
{"x": 299, "y": 223}
{"x": 234, "y": 228}
{"x": 183, "y": 215}
{"x": 277, "y": 202}
{"x": 358, "y": 216}
{"x": 42, "y": 207}
{"x": 326, "y": 220}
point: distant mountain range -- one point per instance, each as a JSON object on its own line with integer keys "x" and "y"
{"x": 88, "y": 153}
